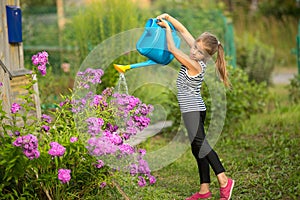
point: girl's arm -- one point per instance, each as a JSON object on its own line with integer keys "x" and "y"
{"x": 187, "y": 36}
{"x": 192, "y": 66}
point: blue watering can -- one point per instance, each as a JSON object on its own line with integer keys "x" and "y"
{"x": 153, "y": 45}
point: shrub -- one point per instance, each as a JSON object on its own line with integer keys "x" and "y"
{"x": 256, "y": 58}
{"x": 294, "y": 89}
{"x": 243, "y": 99}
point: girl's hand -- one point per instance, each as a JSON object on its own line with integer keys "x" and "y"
{"x": 163, "y": 16}
{"x": 163, "y": 23}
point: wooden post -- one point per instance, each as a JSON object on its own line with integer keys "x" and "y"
{"x": 11, "y": 56}
{"x": 60, "y": 14}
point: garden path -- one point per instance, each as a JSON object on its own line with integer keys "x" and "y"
{"x": 150, "y": 131}
{"x": 283, "y": 75}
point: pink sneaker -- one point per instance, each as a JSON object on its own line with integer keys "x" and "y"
{"x": 225, "y": 192}
{"x": 197, "y": 196}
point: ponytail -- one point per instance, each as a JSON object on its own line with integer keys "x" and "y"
{"x": 221, "y": 65}
{"x": 212, "y": 45}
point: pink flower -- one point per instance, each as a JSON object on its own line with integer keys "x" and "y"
{"x": 40, "y": 60}
{"x": 42, "y": 69}
{"x": 46, "y": 128}
{"x": 64, "y": 175}
{"x": 152, "y": 179}
{"x": 115, "y": 139}
{"x": 94, "y": 125}
{"x": 46, "y": 118}
{"x": 142, "y": 152}
{"x": 73, "y": 139}
{"x": 126, "y": 149}
{"x": 142, "y": 181}
{"x": 29, "y": 144}
{"x": 56, "y": 149}
{"x": 99, "y": 164}
{"x": 15, "y": 108}
{"x": 35, "y": 60}
{"x": 103, "y": 184}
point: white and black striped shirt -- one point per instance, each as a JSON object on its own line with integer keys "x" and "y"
{"x": 188, "y": 90}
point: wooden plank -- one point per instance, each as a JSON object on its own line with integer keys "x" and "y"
{"x": 5, "y": 89}
{"x": 12, "y": 57}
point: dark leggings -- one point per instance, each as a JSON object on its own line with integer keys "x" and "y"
{"x": 204, "y": 154}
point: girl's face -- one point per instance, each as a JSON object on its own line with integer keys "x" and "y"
{"x": 197, "y": 51}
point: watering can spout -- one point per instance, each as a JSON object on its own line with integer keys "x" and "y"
{"x": 123, "y": 68}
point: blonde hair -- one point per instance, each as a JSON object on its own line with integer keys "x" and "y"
{"x": 212, "y": 45}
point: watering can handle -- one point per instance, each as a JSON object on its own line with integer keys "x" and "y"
{"x": 170, "y": 24}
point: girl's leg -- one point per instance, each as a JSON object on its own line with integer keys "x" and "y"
{"x": 204, "y": 174}
{"x": 204, "y": 154}
{"x": 193, "y": 121}
{"x": 222, "y": 179}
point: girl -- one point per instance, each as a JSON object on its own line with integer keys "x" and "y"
{"x": 193, "y": 109}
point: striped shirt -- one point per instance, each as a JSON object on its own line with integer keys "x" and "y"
{"x": 188, "y": 90}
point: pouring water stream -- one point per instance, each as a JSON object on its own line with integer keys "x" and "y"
{"x": 122, "y": 85}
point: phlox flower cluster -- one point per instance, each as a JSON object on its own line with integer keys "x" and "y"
{"x": 99, "y": 101}
{"x": 109, "y": 143}
{"x": 139, "y": 168}
{"x": 46, "y": 128}
{"x": 141, "y": 122}
{"x": 133, "y": 112}
{"x": 56, "y": 149}
{"x": 78, "y": 105}
{"x": 46, "y": 119}
{"x": 142, "y": 182}
{"x": 89, "y": 76}
{"x": 94, "y": 125}
{"x": 40, "y": 60}
{"x": 29, "y": 144}
{"x": 129, "y": 109}
{"x": 142, "y": 170}
{"x": 95, "y": 101}
{"x": 126, "y": 149}
{"x": 125, "y": 103}
{"x": 15, "y": 108}
{"x": 73, "y": 139}
{"x": 64, "y": 175}
{"x": 99, "y": 164}
{"x": 99, "y": 146}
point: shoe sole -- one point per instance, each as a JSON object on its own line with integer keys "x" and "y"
{"x": 231, "y": 189}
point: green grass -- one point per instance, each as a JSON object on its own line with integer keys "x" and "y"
{"x": 261, "y": 154}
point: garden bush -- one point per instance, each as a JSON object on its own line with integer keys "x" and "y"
{"x": 294, "y": 89}
{"x": 76, "y": 151}
{"x": 256, "y": 58}
{"x": 243, "y": 98}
